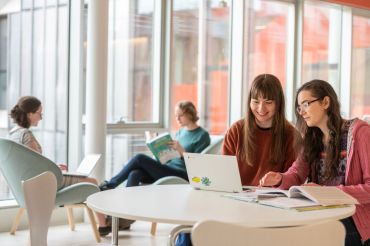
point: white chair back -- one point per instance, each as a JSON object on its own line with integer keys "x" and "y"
{"x": 331, "y": 233}
{"x": 39, "y": 196}
{"x": 215, "y": 146}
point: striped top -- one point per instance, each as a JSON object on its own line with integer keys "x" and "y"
{"x": 24, "y": 136}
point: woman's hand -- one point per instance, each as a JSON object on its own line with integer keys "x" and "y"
{"x": 63, "y": 167}
{"x": 176, "y": 146}
{"x": 271, "y": 179}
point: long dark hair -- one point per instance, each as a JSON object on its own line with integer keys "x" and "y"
{"x": 25, "y": 105}
{"x": 313, "y": 137}
{"x": 268, "y": 86}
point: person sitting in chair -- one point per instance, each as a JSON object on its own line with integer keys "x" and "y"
{"x": 142, "y": 168}
{"x": 28, "y": 113}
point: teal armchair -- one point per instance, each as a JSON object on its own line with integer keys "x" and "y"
{"x": 19, "y": 163}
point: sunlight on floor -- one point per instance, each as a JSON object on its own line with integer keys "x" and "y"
{"x": 139, "y": 234}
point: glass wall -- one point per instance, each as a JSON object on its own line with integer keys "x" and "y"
{"x": 321, "y": 42}
{"x": 130, "y": 62}
{"x": 360, "y": 86}
{"x": 198, "y": 34}
{"x": 268, "y": 39}
{"x": 133, "y": 89}
{"x": 37, "y": 50}
{"x": 3, "y": 73}
{"x": 200, "y": 60}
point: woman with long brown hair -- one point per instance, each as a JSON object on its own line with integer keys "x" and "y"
{"x": 336, "y": 152}
{"x": 264, "y": 140}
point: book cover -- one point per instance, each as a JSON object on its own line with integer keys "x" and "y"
{"x": 160, "y": 148}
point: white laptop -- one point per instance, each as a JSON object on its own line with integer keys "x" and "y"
{"x": 213, "y": 172}
{"x": 86, "y": 166}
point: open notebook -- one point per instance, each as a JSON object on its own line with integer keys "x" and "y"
{"x": 86, "y": 166}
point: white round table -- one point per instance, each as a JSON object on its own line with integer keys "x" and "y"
{"x": 181, "y": 204}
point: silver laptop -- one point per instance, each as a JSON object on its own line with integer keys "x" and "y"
{"x": 86, "y": 166}
{"x": 213, "y": 172}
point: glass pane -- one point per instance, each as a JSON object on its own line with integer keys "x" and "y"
{"x": 321, "y": 42}
{"x": 360, "y": 86}
{"x": 26, "y": 4}
{"x": 120, "y": 149}
{"x": 130, "y": 61}
{"x": 51, "y": 2}
{"x": 38, "y": 62}
{"x": 37, "y": 65}
{"x": 3, "y": 68}
{"x": 267, "y": 39}
{"x": 26, "y": 49}
{"x": 200, "y": 60}
{"x": 38, "y": 3}
{"x": 4, "y": 190}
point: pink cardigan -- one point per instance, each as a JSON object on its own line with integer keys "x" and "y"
{"x": 357, "y": 178}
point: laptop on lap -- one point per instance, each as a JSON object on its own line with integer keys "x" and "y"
{"x": 213, "y": 172}
{"x": 86, "y": 166}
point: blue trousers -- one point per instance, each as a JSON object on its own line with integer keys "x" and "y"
{"x": 142, "y": 168}
{"x": 183, "y": 239}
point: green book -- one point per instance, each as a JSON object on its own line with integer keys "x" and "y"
{"x": 160, "y": 148}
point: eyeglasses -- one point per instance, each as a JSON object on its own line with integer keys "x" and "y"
{"x": 305, "y": 105}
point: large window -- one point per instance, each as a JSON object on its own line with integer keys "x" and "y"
{"x": 360, "y": 86}
{"x": 131, "y": 37}
{"x": 200, "y": 60}
{"x": 37, "y": 50}
{"x": 268, "y": 40}
{"x": 3, "y": 74}
{"x": 145, "y": 82}
{"x": 134, "y": 89}
{"x": 321, "y": 42}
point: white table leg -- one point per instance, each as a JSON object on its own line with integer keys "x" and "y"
{"x": 114, "y": 231}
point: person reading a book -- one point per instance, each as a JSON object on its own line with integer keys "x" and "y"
{"x": 336, "y": 152}
{"x": 144, "y": 169}
{"x": 28, "y": 113}
{"x": 263, "y": 140}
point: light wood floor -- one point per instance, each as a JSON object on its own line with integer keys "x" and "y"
{"x": 139, "y": 234}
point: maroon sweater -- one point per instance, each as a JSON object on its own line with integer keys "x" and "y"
{"x": 251, "y": 174}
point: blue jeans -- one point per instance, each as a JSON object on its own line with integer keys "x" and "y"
{"x": 142, "y": 168}
{"x": 184, "y": 239}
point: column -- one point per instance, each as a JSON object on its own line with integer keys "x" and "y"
{"x": 96, "y": 82}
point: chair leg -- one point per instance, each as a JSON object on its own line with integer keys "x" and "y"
{"x": 93, "y": 224}
{"x": 71, "y": 220}
{"x": 153, "y": 229}
{"x": 16, "y": 221}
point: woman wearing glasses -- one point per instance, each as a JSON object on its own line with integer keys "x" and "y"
{"x": 336, "y": 152}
